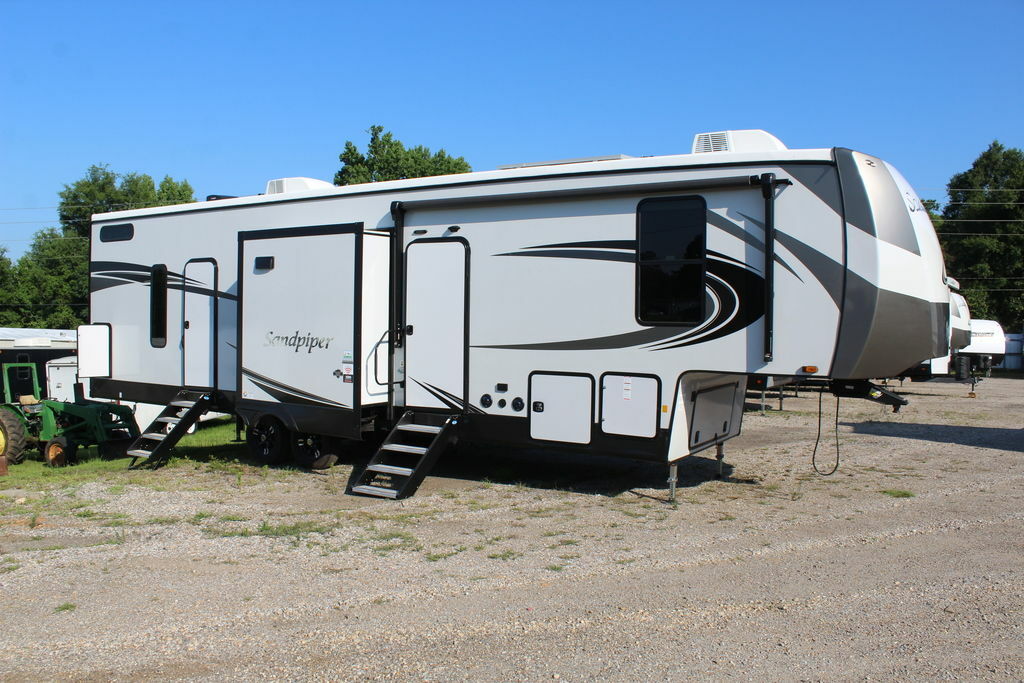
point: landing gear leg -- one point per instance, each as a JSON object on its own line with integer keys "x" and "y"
{"x": 673, "y": 477}
{"x": 720, "y": 456}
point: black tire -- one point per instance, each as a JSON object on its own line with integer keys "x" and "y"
{"x": 12, "y": 437}
{"x": 59, "y": 451}
{"x": 314, "y": 452}
{"x": 269, "y": 441}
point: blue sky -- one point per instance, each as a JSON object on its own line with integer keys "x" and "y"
{"x": 231, "y": 94}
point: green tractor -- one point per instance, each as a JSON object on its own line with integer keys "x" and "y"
{"x": 57, "y": 427}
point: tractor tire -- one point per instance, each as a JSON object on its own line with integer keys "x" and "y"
{"x": 12, "y": 437}
{"x": 269, "y": 441}
{"x": 60, "y": 452}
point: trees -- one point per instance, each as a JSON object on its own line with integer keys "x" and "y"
{"x": 983, "y": 240}
{"x": 49, "y": 285}
{"x": 388, "y": 159}
{"x": 102, "y": 190}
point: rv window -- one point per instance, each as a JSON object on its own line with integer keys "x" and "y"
{"x": 670, "y": 260}
{"x": 122, "y": 232}
{"x": 158, "y": 306}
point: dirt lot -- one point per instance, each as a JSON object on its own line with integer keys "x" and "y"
{"x": 906, "y": 563}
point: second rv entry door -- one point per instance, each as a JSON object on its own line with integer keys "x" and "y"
{"x": 199, "y": 302}
{"x": 435, "y": 324}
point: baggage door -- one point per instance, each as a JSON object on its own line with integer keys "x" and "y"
{"x": 435, "y": 323}
{"x": 199, "y": 323}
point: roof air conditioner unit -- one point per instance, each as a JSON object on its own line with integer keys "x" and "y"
{"x": 736, "y": 141}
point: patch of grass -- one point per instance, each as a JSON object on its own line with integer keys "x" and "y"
{"x": 233, "y": 518}
{"x": 555, "y": 567}
{"x": 435, "y": 557}
{"x": 162, "y": 520}
{"x": 625, "y": 560}
{"x": 66, "y": 607}
{"x": 116, "y": 490}
{"x": 897, "y": 493}
{"x": 563, "y": 542}
{"x": 505, "y": 555}
{"x": 396, "y": 540}
{"x": 33, "y": 521}
{"x": 296, "y": 530}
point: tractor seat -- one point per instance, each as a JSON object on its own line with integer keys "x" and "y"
{"x": 28, "y": 400}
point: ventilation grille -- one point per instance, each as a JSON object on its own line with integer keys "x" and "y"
{"x": 711, "y": 142}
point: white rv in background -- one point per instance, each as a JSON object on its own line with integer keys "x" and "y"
{"x": 615, "y": 304}
{"x": 986, "y": 350}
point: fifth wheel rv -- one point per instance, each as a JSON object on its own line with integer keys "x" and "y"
{"x": 617, "y": 305}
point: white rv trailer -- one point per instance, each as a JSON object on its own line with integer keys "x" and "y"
{"x": 616, "y": 304}
{"x": 987, "y": 347}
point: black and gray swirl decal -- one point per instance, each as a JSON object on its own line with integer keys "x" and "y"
{"x": 733, "y": 293}
{"x": 594, "y": 250}
{"x": 288, "y": 394}
{"x": 447, "y": 398}
{"x": 107, "y": 274}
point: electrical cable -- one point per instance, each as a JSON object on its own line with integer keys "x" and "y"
{"x": 817, "y": 440}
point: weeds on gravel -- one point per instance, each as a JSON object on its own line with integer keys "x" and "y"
{"x": 435, "y": 557}
{"x": 397, "y": 540}
{"x": 897, "y": 493}
{"x": 66, "y": 607}
{"x": 505, "y": 555}
{"x": 555, "y": 567}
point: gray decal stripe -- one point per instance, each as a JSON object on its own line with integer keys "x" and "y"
{"x": 731, "y": 228}
{"x": 97, "y": 284}
{"x": 820, "y": 181}
{"x": 456, "y": 399}
{"x": 577, "y": 254}
{"x": 595, "y": 244}
{"x": 106, "y": 281}
{"x": 615, "y": 341}
{"x": 292, "y": 391}
{"x": 439, "y": 396}
{"x": 826, "y": 271}
{"x": 100, "y": 266}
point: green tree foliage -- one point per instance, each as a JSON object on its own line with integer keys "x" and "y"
{"x": 388, "y": 159}
{"x": 988, "y": 199}
{"x": 50, "y": 283}
{"x": 8, "y": 284}
{"x": 102, "y": 190}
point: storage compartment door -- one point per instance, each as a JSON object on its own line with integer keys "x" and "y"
{"x": 629, "y": 405}
{"x": 299, "y": 320}
{"x": 561, "y": 407}
{"x": 712, "y": 414}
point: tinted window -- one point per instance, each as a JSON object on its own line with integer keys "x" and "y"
{"x": 117, "y": 233}
{"x": 670, "y": 260}
{"x": 158, "y": 305}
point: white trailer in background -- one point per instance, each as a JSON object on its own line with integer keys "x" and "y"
{"x": 986, "y": 350}
{"x": 614, "y": 305}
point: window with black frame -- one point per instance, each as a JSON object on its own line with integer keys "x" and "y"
{"x": 670, "y": 264}
{"x": 158, "y": 306}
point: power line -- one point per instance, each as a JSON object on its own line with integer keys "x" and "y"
{"x": 980, "y": 234}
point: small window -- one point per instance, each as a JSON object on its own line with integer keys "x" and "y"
{"x": 670, "y": 261}
{"x": 158, "y": 306}
{"x": 23, "y": 373}
{"x": 122, "y": 232}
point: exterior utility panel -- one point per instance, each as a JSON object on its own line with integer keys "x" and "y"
{"x": 616, "y": 305}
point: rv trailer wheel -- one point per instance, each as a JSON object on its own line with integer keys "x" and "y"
{"x": 268, "y": 440}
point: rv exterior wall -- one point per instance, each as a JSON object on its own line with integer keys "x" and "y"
{"x": 556, "y": 265}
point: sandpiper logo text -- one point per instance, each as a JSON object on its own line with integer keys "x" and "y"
{"x": 298, "y": 341}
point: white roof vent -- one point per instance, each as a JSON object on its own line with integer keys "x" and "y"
{"x": 736, "y": 141}
{"x": 289, "y": 185}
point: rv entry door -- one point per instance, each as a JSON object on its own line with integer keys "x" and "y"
{"x": 435, "y": 323}
{"x": 199, "y": 318}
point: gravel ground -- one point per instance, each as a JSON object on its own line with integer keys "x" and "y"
{"x": 906, "y": 563}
